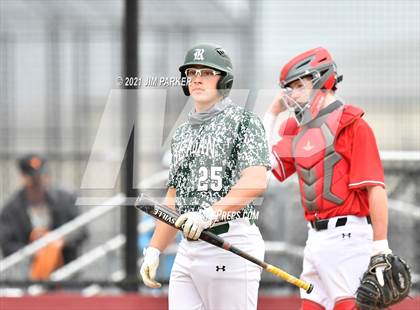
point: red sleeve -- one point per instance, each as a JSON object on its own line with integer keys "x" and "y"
{"x": 365, "y": 164}
{"x": 282, "y": 152}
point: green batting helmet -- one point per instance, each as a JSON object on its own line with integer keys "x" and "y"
{"x": 212, "y": 56}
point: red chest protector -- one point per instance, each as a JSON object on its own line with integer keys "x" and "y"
{"x": 323, "y": 172}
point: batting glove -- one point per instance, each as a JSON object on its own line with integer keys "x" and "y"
{"x": 149, "y": 267}
{"x": 195, "y": 222}
{"x": 381, "y": 247}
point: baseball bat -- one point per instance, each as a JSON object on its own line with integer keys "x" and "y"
{"x": 169, "y": 216}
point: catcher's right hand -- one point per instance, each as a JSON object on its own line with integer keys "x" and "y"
{"x": 381, "y": 292}
{"x": 149, "y": 267}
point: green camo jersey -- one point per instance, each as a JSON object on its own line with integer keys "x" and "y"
{"x": 207, "y": 159}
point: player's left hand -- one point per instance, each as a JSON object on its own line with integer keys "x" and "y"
{"x": 380, "y": 247}
{"x": 386, "y": 282}
{"x": 196, "y": 222}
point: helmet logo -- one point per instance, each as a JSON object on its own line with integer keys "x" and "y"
{"x": 221, "y": 52}
{"x": 199, "y": 54}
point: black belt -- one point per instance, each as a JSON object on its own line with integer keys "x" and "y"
{"x": 323, "y": 224}
{"x": 219, "y": 229}
{"x": 224, "y": 228}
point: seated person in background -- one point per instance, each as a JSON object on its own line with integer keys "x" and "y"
{"x": 33, "y": 211}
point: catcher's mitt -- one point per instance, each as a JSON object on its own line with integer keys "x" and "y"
{"x": 395, "y": 287}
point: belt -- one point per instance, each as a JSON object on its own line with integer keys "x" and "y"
{"x": 219, "y": 229}
{"x": 323, "y": 224}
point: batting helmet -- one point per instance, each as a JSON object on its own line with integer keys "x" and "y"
{"x": 212, "y": 56}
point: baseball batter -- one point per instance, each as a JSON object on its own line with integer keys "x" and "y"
{"x": 219, "y": 164}
{"x": 341, "y": 179}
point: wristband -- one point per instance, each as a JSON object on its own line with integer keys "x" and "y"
{"x": 151, "y": 251}
{"x": 381, "y": 247}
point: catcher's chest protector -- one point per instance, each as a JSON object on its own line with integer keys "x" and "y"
{"x": 323, "y": 173}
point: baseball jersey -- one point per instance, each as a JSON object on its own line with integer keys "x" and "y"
{"x": 349, "y": 165}
{"x": 207, "y": 159}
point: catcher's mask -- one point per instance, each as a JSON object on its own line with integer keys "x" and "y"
{"x": 317, "y": 64}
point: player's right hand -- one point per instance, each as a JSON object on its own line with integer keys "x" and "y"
{"x": 149, "y": 267}
{"x": 278, "y": 104}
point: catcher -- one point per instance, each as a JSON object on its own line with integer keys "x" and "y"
{"x": 341, "y": 179}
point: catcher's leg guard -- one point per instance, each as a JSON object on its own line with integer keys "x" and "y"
{"x": 310, "y": 305}
{"x": 346, "y": 304}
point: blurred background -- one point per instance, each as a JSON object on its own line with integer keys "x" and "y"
{"x": 61, "y": 63}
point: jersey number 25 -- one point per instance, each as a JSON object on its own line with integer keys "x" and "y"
{"x": 215, "y": 179}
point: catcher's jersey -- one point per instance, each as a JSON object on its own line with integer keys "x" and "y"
{"x": 207, "y": 159}
{"x": 335, "y": 156}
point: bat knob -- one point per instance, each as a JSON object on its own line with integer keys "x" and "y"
{"x": 137, "y": 202}
{"x": 143, "y": 204}
{"x": 309, "y": 290}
